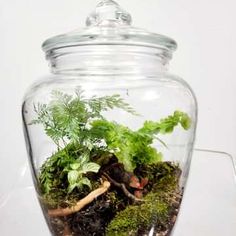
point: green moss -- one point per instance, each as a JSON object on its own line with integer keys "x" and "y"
{"x": 157, "y": 205}
{"x": 154, "y": 210}
{"x": 158, "y": 170}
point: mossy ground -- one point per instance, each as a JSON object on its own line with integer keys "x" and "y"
{"x": 112, "y": 214}
{"x": 158, "y": 207}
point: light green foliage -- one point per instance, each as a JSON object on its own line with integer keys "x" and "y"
{"x": 67, "y": 170}
{"x": 78, "y": 128}
{"x": 167, "y": 125}
{"x": 134, "y": 148}
{"x": 66, "y": 121}
{"x": 130, "y": 147}
{"x": 67, "y": 117}
{"x": 78, "y": 169}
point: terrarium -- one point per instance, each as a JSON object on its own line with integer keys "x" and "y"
{"x": 110, "y": 132}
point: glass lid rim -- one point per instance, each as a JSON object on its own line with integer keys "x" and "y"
{"x": 93, "y": 36}
{"x": 107, "y": 24}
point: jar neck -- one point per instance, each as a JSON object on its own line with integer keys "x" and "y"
{"x": 108, "y": 60}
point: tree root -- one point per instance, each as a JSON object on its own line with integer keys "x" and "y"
{"x": 81, "y": 203}
{"x": 123, "y": 187}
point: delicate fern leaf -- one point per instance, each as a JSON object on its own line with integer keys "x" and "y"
{"x": 167, "y": 125}
{"x": 68, "y": 118}
{"x": 61, "y": 98}
{"x": 184, "y": 119}
{"x": 109, "y": 102}
{"x": 79, "y": 93}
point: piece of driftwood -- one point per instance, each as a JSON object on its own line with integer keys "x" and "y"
{"x": 81, "y": 203}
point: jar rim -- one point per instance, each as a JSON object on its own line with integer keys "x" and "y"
{"x": 122, "y": 36}
{"x": 109, "y": 24}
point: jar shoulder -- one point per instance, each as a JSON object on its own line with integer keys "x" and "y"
{"x": 67, "y": 83}
{"x": 171, "y": 78}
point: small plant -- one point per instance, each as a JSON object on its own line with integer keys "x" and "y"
{"x": 78, "y": 169}
{"x": 94, "y": 153}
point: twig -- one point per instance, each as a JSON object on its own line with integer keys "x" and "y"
{"x": 81, "y": 203}
{"x": 123, "y": 187}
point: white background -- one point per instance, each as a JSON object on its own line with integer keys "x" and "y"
{"x": 206, "y": 35}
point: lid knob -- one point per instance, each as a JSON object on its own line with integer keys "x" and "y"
{"x": 108, "y": 13}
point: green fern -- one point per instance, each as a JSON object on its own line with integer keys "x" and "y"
{"x": 133, "y": 148}
{"x": 67, "y": 117}
{"x": 78, "y": 128}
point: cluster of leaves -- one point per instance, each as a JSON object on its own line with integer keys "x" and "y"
{"x": 78, "y": 128}
{"x": 66, "y": 170}
{"x": 66, "y": 120}
{"x": 133, "y": 148}
{"x": 130, "y": 147}
{"x": 78, "y": 169}
{"x": 67, "y": 117}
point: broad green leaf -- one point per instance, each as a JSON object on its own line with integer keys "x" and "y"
{"x": 90, "y": 167}
{"x": 84, "y": 158}
{"x": 73, "y": 176}
{"x": 72, "y": 187}
{"x": 75, "y": 166}
{"x": 89, "y": 144}
{"x": 85, "y": 181}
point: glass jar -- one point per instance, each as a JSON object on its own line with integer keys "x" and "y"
{"x": 110, "y": 132}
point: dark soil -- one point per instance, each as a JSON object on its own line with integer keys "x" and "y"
{"x": 93, "y": 220}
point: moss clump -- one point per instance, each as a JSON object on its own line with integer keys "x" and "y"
{"x": 160, "y": 171}
{"x": 157, "y": 207}
{"x": 153, "y": 211}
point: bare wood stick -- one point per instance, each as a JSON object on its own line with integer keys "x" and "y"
{"x": 81, "y": 203}
{"x": 123, "y": 187}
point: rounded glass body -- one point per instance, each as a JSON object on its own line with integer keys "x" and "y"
{"x": 110, "y": 135}
{"x": 141, "y": 80}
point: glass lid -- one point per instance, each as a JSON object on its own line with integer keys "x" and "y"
{"x": 109, "y": 24}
